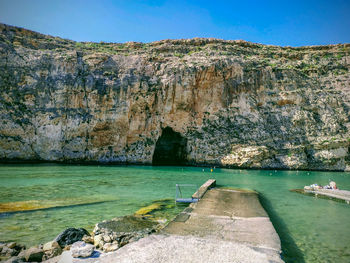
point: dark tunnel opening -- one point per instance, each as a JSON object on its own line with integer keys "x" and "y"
{"x": 170, "y": 148}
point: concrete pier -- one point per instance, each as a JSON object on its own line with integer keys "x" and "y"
{"x": 204, "y": 188}
{"x": 224, "y": 226}
{"x": 338, "y": 195}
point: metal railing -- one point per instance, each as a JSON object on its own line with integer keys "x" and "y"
{"x": 179, "y": 198}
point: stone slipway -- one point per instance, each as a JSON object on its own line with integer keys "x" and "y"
{"x": 225, "y": 226}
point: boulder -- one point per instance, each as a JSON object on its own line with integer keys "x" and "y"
{"x": 70, "y": 236}
{"x": 51, "y": 245}
{"x": 22, "y": 255}
{"x": 51, "y": 249}
{"x": 122, "y": 230}
{"x": 34, "y": 254}
{"x": 81, "y": 249}
{"x": 10, "y": 250}
{"x": 6, "y": 251}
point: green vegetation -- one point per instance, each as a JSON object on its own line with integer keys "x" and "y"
{"x": 305, "y": 60}
{"x": 325, "y": 141}
{"x": 179, "y": 55}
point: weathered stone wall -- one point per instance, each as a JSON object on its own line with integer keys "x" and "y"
{"x": 236, "y": 103}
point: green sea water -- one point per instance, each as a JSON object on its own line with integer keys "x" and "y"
{"x": 311, "y": 229}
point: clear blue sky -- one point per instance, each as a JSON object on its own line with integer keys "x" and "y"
{"x": 293, "y": 23}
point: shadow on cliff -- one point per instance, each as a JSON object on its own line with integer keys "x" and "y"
{"x": 170, "y": 149}
{"x": 290, "y": 251}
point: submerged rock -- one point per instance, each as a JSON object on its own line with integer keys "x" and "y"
{"x": 81, "y": 249}
{"x": 70, "y": 236}
{"x": 148, "y": 209}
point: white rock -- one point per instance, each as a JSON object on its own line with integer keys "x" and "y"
{"x": 81, "y": 249}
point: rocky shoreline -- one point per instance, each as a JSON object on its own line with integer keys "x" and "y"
{"x": 75, "y": 244}
{"x": 107, "y": 236}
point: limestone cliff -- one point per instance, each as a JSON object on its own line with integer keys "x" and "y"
{"x": 229, "y": 103}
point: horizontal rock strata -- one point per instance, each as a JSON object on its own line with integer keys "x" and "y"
{"x": 223, "y": 103}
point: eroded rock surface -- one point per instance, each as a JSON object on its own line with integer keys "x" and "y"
{"x": 233, "y": 103}
{"x": 113, "y": 234}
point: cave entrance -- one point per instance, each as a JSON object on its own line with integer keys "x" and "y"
{"x": 170, "y": 148}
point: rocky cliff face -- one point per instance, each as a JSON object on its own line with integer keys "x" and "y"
{"x": 231, "y": 103}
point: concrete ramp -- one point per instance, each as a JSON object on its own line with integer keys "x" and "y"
{"x": 231, "y": 216}
{"x": 224, "y": 226}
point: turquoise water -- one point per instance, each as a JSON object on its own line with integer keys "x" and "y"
{"x": 311, "y": 229}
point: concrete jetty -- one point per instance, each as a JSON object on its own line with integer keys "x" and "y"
{"x": 204, "y": 188}
{"x": 338, "y": 195}
{"x": 226, "y": 225}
